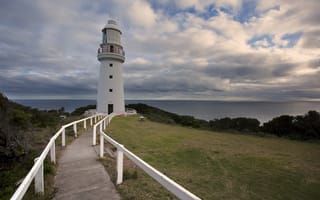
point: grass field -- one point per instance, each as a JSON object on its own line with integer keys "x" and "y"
{"x": 216, "y": 165}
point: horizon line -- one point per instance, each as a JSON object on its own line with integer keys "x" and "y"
{"x": 218, "y": 100}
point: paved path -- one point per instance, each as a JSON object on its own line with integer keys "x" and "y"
{"x": 80, "y": 176}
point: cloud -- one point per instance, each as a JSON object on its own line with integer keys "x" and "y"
{"x": 138, "y": 13}
{"x": 311, "y": 40}
{"x": 199, "y": 49}
{"x": 201, "y": 5}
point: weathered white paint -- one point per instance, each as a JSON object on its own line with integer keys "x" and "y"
{"x": 101, "y": 146}
{"x": 75, "y": 130}
{"x": 63, "y": 137}
{"x": 85, "y": 124}
{"x": 119, "y": 165}
{"x": 94, "y": 135}
{"x": 39, "y": 179}
{"x": 111, "y": 57}
{"x": 36, "y": 172}
{"x": 53, "y": 152}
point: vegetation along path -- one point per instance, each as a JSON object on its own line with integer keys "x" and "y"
{"x": 80, "y": 175}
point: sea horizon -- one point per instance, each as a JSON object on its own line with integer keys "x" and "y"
{"x": 201, "y": 109}
{"x": 266, "y": 101}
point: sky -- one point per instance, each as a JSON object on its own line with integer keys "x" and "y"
{"x": 230, "y": 50}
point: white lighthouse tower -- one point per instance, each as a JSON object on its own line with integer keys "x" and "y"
{"x": 111, "y": 56}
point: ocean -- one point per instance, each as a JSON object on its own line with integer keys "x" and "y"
{"x": 208, "y": 110}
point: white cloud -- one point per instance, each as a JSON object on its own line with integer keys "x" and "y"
{"x": 265, "y": 5}
{"x": 138, "y": 12}
{"x": 192, "y": 54}
{"x": 200, "y": 5}
{"x": 139, "y": 61}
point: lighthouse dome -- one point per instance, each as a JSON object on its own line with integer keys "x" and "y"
{"x": 112, "y": 24}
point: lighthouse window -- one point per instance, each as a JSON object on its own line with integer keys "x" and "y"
{"x": 110, "y": 65}
{"x": 111, "y": 77}
{"x": 110, "y": 90}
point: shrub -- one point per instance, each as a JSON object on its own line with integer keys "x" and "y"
{"x": 298, "y": 127}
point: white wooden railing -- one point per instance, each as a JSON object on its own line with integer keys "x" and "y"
{"x": 36, "y": 172}
{"x": 165, "y": 181}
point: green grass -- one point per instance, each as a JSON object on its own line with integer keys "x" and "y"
{"x": 216, "y": 165}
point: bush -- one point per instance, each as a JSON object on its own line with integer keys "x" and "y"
{"x": 298, "y": 127}
{"x": 241, "y": 124}
{"x": 17, "y": 123}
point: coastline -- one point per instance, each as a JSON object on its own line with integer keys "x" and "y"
{"x": 202, "y": 109}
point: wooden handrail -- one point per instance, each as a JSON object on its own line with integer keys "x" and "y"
{"x": 36, "y": 172}
{"x": 165, "y": 181}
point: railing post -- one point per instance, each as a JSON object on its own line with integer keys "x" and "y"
{"x": 119, "y": 166}
{"x": 95, "y": 119}
{"x": 85, "y": 124}
{"x": 100, "y": 126}
{"x": 91, "y": 121}
{"x": 53, "y": 152}
{"x": 75, "y": 129}
{"x": 38, "y": 179}
{"x": 104, "y": 123}
{"x": 101, "y": 145}
{"x": 63, "y": 136}
{"x": 94, "y": 135}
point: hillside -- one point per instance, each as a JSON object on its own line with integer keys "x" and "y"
{"x": 215, "y": 165}
{"x": 23, "y": 134}
{"x": 301, "y": 127}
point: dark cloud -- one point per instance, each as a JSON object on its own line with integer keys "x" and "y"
{"x": 311, "y": 39}
{"x": 283, "y": 69}
{"x": 28, "y": 85}
{"x": 48, "y": 48}
{"x": 23, "y": 15}
{"x": 235, "y": 72}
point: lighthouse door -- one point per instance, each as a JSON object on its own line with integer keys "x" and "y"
{"x": 110, "y": 108}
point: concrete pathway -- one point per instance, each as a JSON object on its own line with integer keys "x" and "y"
{"x": 80, "y": 176}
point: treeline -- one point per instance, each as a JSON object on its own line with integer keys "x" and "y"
{"x": 302, "y": 127}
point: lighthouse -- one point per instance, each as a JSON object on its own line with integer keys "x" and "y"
{"x": 110, "y": 98}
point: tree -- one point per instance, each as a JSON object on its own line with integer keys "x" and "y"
{"x": 279, "y": 126}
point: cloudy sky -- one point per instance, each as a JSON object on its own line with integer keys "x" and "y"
{"x": 175, "y": 49}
